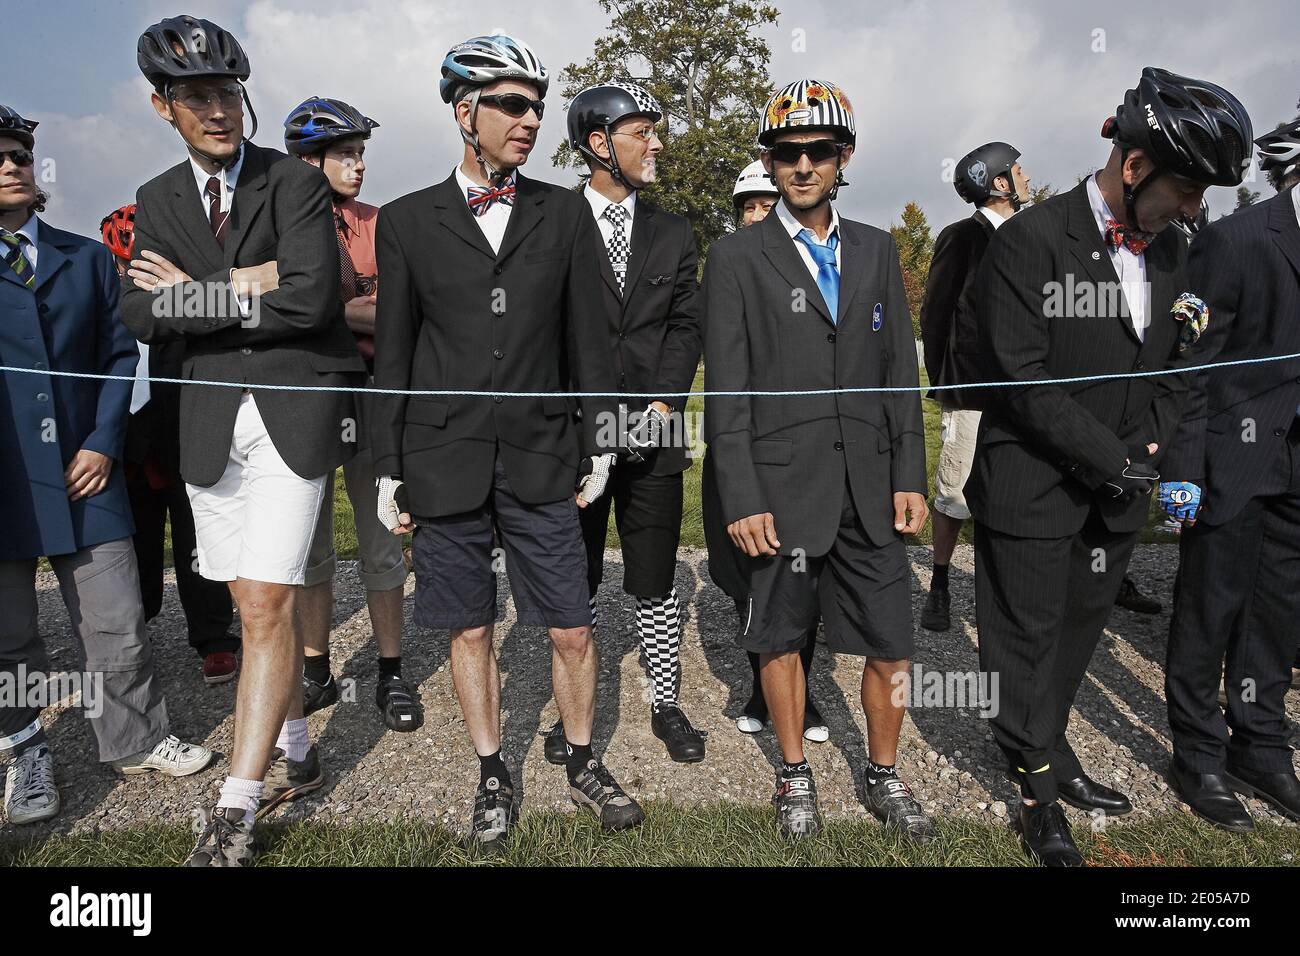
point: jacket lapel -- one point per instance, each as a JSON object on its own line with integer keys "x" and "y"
{"x": 189, "y": 211}
{"x": 851, "y": 266}
{"x": 456, "y": 217}
{"x": 780, "y": 251}
{"x": 524, "y": 218}
{"x": 250, "y": 197}
{"x": 1090, "y": 252}
{"x": 49, "y": 257}
{"x": 1285, "y": 227}
{"x": 643, "y": 235}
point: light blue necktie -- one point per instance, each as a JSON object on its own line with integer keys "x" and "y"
{"x": 828, "y": 275}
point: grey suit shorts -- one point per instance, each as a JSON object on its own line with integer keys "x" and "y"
{"x": 863, "y": 594}
{"x": 539, "y": 547}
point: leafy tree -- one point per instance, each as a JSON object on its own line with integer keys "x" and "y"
{"x": 915, "y": 250}
{"x": 705, "y": 63}
{"x": 1245, "y": 197}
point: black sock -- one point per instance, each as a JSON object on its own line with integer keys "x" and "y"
{"x": 939, "y": 578}
{"x": 492, "y": 766}
{"x": 795, "y": 769}
{"x": 877, "y": 771}
{"x": 316, "y": 668}
{"x": 390, "y": 665}
{"x": 579, "y": 756}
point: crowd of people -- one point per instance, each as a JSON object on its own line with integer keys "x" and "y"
{"x": 522, "y": 370}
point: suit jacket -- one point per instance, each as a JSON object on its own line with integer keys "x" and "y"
{"x": 949, "y": 335}
{"x": 1247, "y": 269}
{"x": 1044, "y": 451}
{"x": 282, "y": 211}
{"x": 454, "y": 315}
{"x": 69, "y": 323}
{"x": 789, "y": 455}
{"x": 654, "y": 326}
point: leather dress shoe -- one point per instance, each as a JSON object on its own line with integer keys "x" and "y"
{"x": 1084, "y": 793}
{"x": 1280, "y": 790}
{"x": 685, "y": 744}
{"x": 1210, "y": 798}
{"x": 554, "y": 745}
{"x": 1046, "y": 834}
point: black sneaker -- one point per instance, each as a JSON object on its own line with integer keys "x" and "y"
{"x": 891, "y": 800}
{"x": 556, "y": 748}
{"x": 318, "y": 696}
{"x": 597, "y": 790}
{"x": 399, "y": 702}
{"x": 935, "y": 617}
{"x": 685, "y": 744}
{"x": 495, "y": 812}
{"x": 1134, "y": 600}
{"x": 226, "y": 840}
{"x": 796, "y": 806}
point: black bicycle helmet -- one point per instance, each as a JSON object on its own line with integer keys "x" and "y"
{"x": 182, "y": 48}
{"x": 12, "y": 124}
{"x": 1279, "y": 152}
{"x": 318, "y": 122}
{"x": 976, "y": 171}
{"x": 599, "y": 108}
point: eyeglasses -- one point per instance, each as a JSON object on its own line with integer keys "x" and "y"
{"x": 230, "y": 97}
{"x": 645, "y": 133}
{"x": 21, "y": 157}
{"x": 514, "y": 104}
{"x": 817, "y": 151}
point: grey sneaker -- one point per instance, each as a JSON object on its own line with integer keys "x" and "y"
{"x": 495, "y": 812}
{"x": 226, "y": 840}
{"x": 30, "y": 793}
{"x": 289, "y": 779}
{"x": 796, "y": 806}
{"x": 890, "y": 799}
{"x": 597, "y": 790}
{"x": 170, "y": 756}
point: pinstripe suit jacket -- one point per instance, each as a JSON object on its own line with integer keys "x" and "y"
{"x": 1247, "y": 269}
{"x": 1045, "y": 450}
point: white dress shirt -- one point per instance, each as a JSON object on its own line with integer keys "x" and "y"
{"x": 494, "y": 221}
{"x": 995, "y": 219}
{"x": 598, "y": 205}
{"x": 1131, "y": 268}
{"x": 1295, "y": 201}
{"x": 794, "y": 227}
{"x": 228, "y": 177}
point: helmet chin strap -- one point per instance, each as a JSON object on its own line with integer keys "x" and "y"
{"x": 217, "y": 160}
{"x": 1011, "y": 195}
{"x": 493, "y": 175}
{"x": 1131, "y": 193}
{"x": 611, "y": 165}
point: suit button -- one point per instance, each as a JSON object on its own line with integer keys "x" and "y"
{"x": 1279, "y": 432}
{"x": 246, "y": 351}
{"x": 830, "y": 336}
{"x": 622, "y": 335}
{"x": 497, "y": 353}
{"x": 42, "y": 397}
{"x": 496, "y": 270}
{"x": 1139, "y": 366}
{"x": 839, "y": 446}
{"x": 497, "y": 399}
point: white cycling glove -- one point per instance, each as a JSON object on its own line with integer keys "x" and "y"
{"x": 594, "y": 475}
{"x": 393, "y": 502}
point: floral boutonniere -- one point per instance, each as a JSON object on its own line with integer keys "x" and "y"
{"x": 1194, "y": 314}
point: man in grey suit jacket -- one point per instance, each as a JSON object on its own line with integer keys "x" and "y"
{"x": 817, "y": 490}
{"x": 241, "y": 219}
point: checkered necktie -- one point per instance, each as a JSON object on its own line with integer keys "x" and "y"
{"x": 617, "y": 246}
{"x": 14, "y": 258}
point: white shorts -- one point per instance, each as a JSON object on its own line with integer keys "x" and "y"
{"x": 257, "y": 521}
{"x": 957, "y": 430}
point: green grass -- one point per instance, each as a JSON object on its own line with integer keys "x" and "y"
{"x": 719, "y": 835}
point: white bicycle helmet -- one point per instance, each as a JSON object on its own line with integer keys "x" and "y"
{"x": 753, "y": 180}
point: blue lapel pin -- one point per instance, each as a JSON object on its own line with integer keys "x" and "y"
{"x": 877, "y": 317}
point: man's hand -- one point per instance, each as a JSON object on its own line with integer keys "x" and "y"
{"x": 394, "y": 505}
{"x": 910, "y": 512}
{"x": 594, "y": 476}
{"x": 87, "y": 474}
{"x": 1181, "y": 500}
{"x": 151, "y": 271}
{"x": 256, "y": 280}
{"x": 1134, "y": 480}
{"x": 755, "y": 535}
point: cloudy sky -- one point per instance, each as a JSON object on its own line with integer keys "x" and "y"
{"x": 930, "y": 79}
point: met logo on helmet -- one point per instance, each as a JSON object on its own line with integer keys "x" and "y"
{"x": 1151, "y": 117}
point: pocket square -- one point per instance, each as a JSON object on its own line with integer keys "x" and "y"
{"x": 1194, "y": 315}
{"x": 659, "y": 280}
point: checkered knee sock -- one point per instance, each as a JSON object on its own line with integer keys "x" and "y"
{"x": 657, "y": 620}
{"x": 592, "y": 602}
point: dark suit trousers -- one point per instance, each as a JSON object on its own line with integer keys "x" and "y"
{"x": 207, "y": 604}
{"x": 1238, "y": 595}
{"x": 1041, "y": 604}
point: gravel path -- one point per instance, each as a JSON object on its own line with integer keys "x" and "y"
{"x": 947, "y": 754}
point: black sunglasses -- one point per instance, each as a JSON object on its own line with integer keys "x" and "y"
{"x": 21, "y": 157}
{"x": 514, "y": 104}
{"x": 817, "y": 151}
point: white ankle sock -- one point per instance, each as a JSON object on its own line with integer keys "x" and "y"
{"x": 293, "y": 739}
{"x": 240, "y": 794}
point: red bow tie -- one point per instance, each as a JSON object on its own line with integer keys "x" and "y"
{"x": 1120, "y": 235}
{"x": 481, "y": 198}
